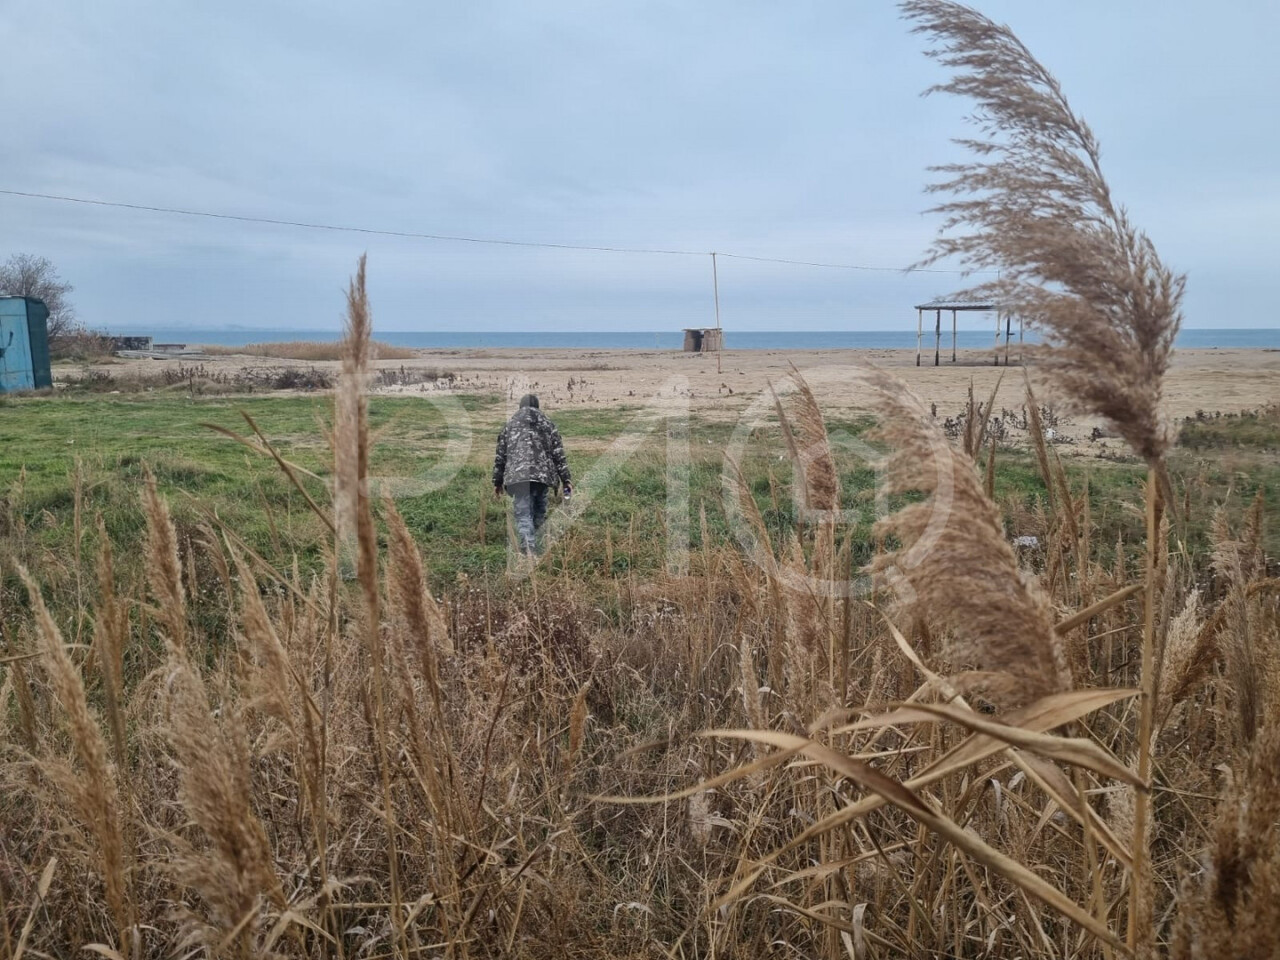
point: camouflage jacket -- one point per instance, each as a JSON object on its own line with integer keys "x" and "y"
{"x": 530, "y": 450}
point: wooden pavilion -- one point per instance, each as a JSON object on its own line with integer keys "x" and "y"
{"x": 703, "y": 340}
{"x": 956, "y": 307}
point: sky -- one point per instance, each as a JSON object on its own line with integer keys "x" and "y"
{"x": 793, "y": 131}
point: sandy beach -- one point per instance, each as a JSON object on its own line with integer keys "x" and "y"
{"x": 1222, "y": 380}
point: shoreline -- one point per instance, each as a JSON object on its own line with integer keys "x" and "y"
{"x": 892, "y": 337}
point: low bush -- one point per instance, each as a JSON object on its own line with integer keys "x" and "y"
{"x": 313, "y": 350}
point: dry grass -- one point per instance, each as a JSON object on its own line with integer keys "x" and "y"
{"x": 1233, "y": 908}
{"x": 81, "y": 346}
{"x": 311, "y": 350}
{"x": 967, "y": 758}
{"x": 354, "y": 767}
{"x": 1035, "y": 205}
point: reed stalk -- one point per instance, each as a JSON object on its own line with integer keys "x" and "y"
{"x": 1139, "y": 930}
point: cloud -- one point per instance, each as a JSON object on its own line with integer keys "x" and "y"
{"x": 780, "y": 130}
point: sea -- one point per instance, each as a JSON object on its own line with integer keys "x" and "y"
{"x": 1194, "y": 338}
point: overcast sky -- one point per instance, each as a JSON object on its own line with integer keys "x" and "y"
{"x": 791, "y": 130}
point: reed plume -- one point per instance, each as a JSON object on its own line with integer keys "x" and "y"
{"x": 1238, "y": 560}
{"x": 809, "y": 586}
{"x": 1035, "y": 206}
{"x": 407, "y": 583}
{"x": 1184, "y": 657}
{"x": 234, "y": 872}
{"x": 351, "y": 405}
{"x": 954, "y": 566}
{"x": 164, "y": 568}
{"x": 1233, "y": 908}
{"x": 352, "y": 445}
{"x": 269, "y": 682}
{"x": 110, "y": 633}
{"x": 818, "y": 486}
{"x": 94, "y": 791}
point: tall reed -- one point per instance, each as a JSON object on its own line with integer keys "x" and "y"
{"x": 1036, "y": 206}
{"x": 954, "y": 566}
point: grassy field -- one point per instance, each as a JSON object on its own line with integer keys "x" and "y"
{"x": 112, "y": 440}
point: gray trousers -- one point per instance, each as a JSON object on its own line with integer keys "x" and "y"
{"x": 530, "y": 504}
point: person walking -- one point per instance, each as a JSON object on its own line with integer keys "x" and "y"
{"x": 530, "y": 459}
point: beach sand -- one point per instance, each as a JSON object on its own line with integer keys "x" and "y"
{"x": 1224, "y": 380}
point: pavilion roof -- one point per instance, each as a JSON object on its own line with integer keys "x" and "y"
{"x": 943, "y": 303}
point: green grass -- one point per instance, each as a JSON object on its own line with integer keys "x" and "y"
{"x": 1254, "y": 430}
{"x": 116, "y": 439}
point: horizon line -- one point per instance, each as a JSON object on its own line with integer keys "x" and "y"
{"x": 338, "y": 329}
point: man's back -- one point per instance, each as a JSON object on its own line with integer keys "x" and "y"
{"x": 530, "y": 450}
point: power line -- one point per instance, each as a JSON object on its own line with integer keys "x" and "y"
{"x": 451, "y": 238}
{"x": 342, "y": 228}
{"x": 845, "y": 266}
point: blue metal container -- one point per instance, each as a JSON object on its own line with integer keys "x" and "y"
{"x": 24, "y": 344}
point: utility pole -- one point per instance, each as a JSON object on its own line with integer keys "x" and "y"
{"x": 715, "y": 286}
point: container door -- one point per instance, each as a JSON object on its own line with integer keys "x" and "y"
{"x": 15, "y": 352}
{"x": 38, "y": 343}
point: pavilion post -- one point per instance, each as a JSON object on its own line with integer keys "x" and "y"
{"x": 919, "y": 333}
{"x": 1008, "y": 335}
{"x": 937, "y": 337}
{"x": 997, "y": 346}
{"x": 953, "y": 336}
{"x": 1020, "y": 330}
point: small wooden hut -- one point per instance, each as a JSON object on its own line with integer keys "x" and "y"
{"x": 703, "y": 340}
